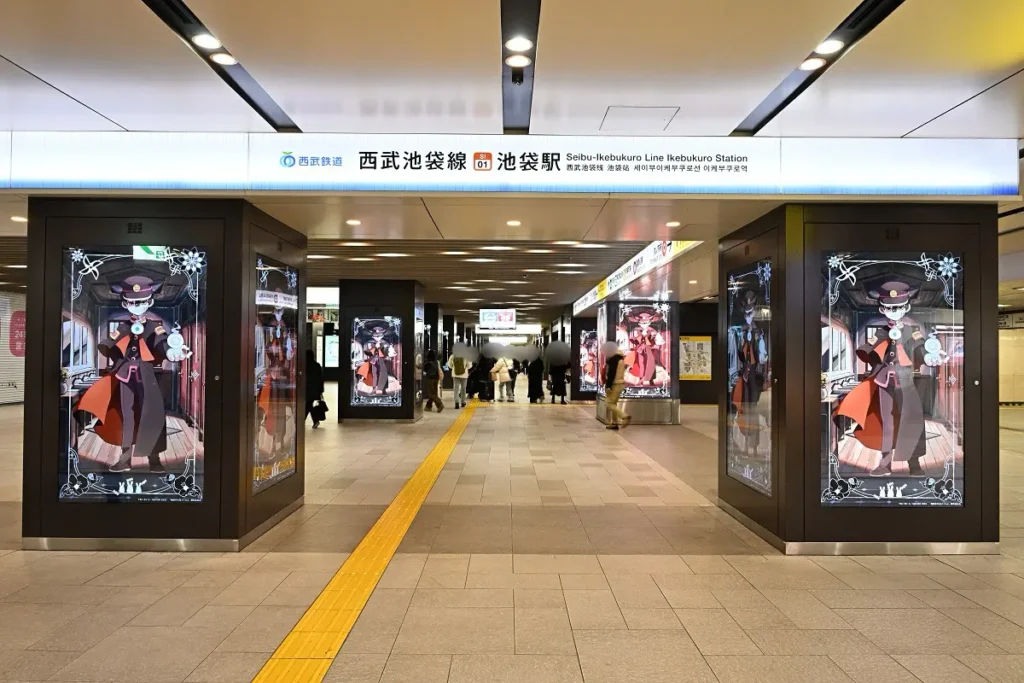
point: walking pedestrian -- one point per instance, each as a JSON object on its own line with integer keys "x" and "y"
{"x": 314, "y": 385}
{"x": 615, "y": 382}
{"x": 431, "y": 381}
{"x": 460, "y": 367}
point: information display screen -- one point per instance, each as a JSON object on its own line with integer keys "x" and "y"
{"x": 275, "y": 373}
{"x": 602, "y": 357}
{"x": 749, "y": 369}
{"x": 497, "y": 318}
{"x": 892, "y": 367}
{"x": 376, "y": 361}
{"x": 133, "y": 371}
{"x": 589, "y": 362}
{"x": 332, "y": 351}
{"x": 643, "y": 335}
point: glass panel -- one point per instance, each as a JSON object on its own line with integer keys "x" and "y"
{"x": 749, "y": 422}
{"x": 132, "y": 412}
{"x": 589, "y": 361}
{"x": 275, "y": 373}
{"x": 892, "y": 426}
{"x": 377, "y": 361}
{"x": 644, "y": 337}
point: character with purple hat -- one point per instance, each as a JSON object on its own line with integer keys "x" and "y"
{"x": 885, "y": 406}
{"x": 127, "y": 402}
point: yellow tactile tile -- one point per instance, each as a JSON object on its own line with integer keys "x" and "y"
{"x": 307, "y": 651}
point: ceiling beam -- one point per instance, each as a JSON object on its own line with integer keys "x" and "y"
{"x": 519, "y": 19}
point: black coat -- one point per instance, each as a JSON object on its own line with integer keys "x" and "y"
{"x": 314, "y": 382}
{"x": 535, "y": 372}
{"x": 558, "y": 379}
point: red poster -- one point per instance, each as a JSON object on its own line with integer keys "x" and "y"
{"x": 16, "y": 334}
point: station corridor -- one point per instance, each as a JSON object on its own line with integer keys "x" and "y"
{"x": 548, "y": 550}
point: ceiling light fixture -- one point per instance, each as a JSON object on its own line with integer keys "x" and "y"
{"x": 591, "y": 245}
{"x": 812, "y": 64}
{"x": 392, "y": 254}
{"x": 513, "y": 224}
{"x": 518, "y": 61}
{"x": 693, "y": 282}
{"x": 362, "y": 258}
{"x": 223, "y": 58}
{"x": 483, "y": 281}
{"x": 1004, "y": 305}
{"x": 316, "y": 257}
{"x": 547, "y": 293}
{"x": 498, "y": 247}
{"x": 569, "y": 272}
{"x": 540, "y": 251}
{"x": 566, "y": 243}
{"x": 355, "y": 244}
{"x": 19, "y": 219}
{"x": 571, "y": 265}
{"x": 480, "y": 260}
{"x": 829, "y": 46}
{"x": 454, "y": 253}
{"x": 353, "y": 221}
{"x": 18, "y": 266}
{"x": 535, "y": 270}
{"x": 672, "y": 224}
{"x": 519, "y": 44}
{"x": 514, "y": 282}
{"x": 206, "y": 41}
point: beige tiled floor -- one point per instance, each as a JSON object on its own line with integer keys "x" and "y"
{"x": 550, "y": 550}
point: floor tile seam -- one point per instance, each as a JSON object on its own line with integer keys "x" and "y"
{"x": 395, "y": 525}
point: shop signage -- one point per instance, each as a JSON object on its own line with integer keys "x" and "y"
{"x": 654, "y": 255}
{"x": 276, "y": 299}
{"x": 695, "y": 359}
{"x": 1011, "y": 321}
{"x": 508, "y": 163}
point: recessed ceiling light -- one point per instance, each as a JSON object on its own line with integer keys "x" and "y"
{"x": 315, "y": 257}
{"x": 206, "y": 41}
{"x": 569, "y": 272}
{"x": 566, "y": 243}
{"x": 362, "y": 258}
{"x": 1004, "y": 305}
{"x": 518, "y": 61}
{"x": 540, "y": 251}
{"x": 19, "y": 219}
{"x": 455, "y": 287}
{"x": 571, "y": 265}
{"x": 483, "y": 280}
{"x": 829, "y": 46}
{"x": 547, "y": 293}
{"x": 469, "y": 301}
{"x": 591, "y": 245}
{"x": 495, "y": 289}
{"x": 812, "y": 64}
{"x": 353, "y": 221}
{"x": 513, "y": 224}
{"x": 518, "y": 296}
{"x": 223, "y": 58}
{"x": 392, "y": 254}
{"x": 466, "y": 310}
{"x": 454, "y": 253}
{"x": 1018, "y": 289}
{"x": 514, "y": 282}
{"x": 355, "y": 244}
{"x": 519, "y": 44}
{"x": 693, "y": 282}
{"x": 17, "y": 266}
{"x": 498, "y": 247}
{"x": 535, "y": 270}
{"x": 481, "y": 260}
{"x": 462, "y": 283}
{"x": 672, "y": 224}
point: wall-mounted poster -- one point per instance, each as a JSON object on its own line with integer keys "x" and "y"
{"x": 642, "y": 334}
{"x": 892, "y": 365}
{"x": 275, "y": 373}
{"x": 695, "y": 359}
{"x": 133, "y": 367}
{"x": 748, "y": 356}
{"x": 377, "y": 361}
{"x": 602, "y": 339}
{"x": 588, "y": 360}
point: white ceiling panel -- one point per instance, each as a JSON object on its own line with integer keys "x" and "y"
{"x": 924, "y": 59}
{"x": 716, "y": 61}
{"x": 118, "y": 58}
{"x": 383, "y": 218}
{"x": 998, "y": 111}
{"x": 26, "y": 103}
{"x": 403, "y": 66}
{"x": 540, "y": 219}
{"x": 648, "y": 219}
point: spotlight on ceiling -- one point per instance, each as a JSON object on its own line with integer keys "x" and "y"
{"x": 672, "y": 224}
{"x": 812, "y": 64}
{"x": 353, "y": 221}
{"x": 223, "y": 58}
{"x": 518, "y": 61}
{"x": 830, "y": 46}
{"x": 513, "y": 224}
{"x": 519, "y": 44}
{"x": 206, "y": 41}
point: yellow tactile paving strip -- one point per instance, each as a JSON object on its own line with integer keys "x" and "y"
{"x": 308, "y": 650}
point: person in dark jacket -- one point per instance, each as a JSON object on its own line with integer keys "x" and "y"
{"x": 535, "y": 375}
{"x": 314, "y": 384}
{"x": 486, "y": 382}
{"x": 558, "y": 381}
{"x": 432, "y": 381}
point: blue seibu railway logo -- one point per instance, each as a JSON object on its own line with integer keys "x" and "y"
{"x": 287, "y": 160}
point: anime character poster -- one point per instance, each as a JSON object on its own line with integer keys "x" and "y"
{"x": 275, "y": 373}
{"x": 892, "y": 360}
{"x": 602, "y": 358}
{"x": 589, "y": 368}
{"x": 643, "y": 335}
{"x": 133, "y": 366}
{"x": 749, "y": 365}
{"x": 377, "y": 369}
